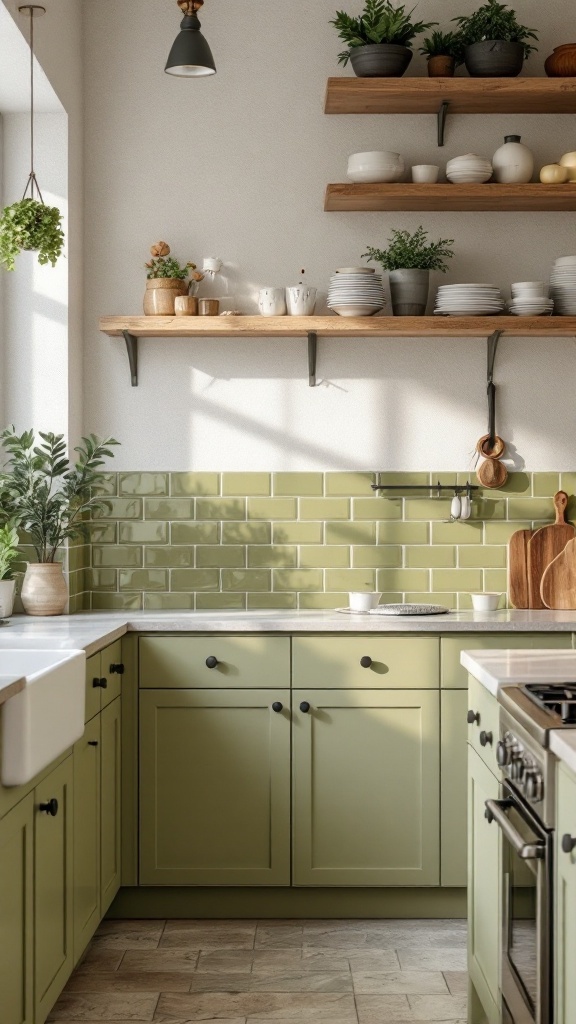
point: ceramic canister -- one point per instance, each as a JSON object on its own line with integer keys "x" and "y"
{"x": 301, "y": 300}
{"x": 272, "y": 301}
{"x": 513, "y": 163}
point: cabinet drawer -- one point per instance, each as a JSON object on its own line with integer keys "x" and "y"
{"x": 454, "y": 676}
{"x": 93, "y": 692}
{"x": 246, "y": 661}
{"x": 486, "y": 706}
{"x": 395, "y": 663}
{"x": 111, "y": 668}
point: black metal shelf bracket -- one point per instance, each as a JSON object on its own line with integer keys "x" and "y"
{"x": 438, "y": 488}
{"x": 132, "y": 349}
{"x": 442, "y": 113}
{"x": 312, "y": 358}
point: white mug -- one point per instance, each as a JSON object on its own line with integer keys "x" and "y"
{"x": 363, "y": 602}
{"x": 272, "y": 302}
{"x": 301, "y": 300}
{"x": 426, "y": 174}
{"x": 485, "y": 602}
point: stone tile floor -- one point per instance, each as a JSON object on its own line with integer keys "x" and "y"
{"x": 270, "y": 972}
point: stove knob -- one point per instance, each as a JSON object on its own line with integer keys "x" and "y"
{"x": 505, "y": 751}
{"x": 516, "y": 770}
{"x": 533, "y": 786}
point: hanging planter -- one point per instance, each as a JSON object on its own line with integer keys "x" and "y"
{"x": 30, "y": 224}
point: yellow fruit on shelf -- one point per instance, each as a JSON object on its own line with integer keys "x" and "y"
{"x": 569, "y": 161}
{"x": 554, "y": 174}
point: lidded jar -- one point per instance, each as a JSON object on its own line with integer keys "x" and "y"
{"x": 513, "y": 163}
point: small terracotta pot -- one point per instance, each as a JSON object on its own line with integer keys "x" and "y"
{"x": 160, "y": 295}
{"x": 44, "y": 591}
{"x": 562, "y": 63}
{"x": 186, "y": 305}
{"x": 441, "y": 67}
{"x": 209, "y": 307}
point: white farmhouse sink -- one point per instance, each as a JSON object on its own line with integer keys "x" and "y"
{"x": 47, "y": 716}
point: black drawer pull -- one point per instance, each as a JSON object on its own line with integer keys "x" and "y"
{"x": 277, "y": 707}
{"x": 486, "y": 739}
{"x": 117, "y": 670}
{"x": 366, "y": 661}
{"x": 212, "y": 662}
{"x": 92, "y": 743}
{"x": 568, "y": 843}
{"x": 305, "y": 707}
{"x": 473, "y": 716}
{"x": 102, "y": 683}
{"x": 51, "y": 807}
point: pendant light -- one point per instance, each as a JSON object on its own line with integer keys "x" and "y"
{"x": 32, "y": 11}
{"x": 190, "y": 56}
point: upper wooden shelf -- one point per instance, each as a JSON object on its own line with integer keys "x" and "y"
{"x": 464, "y": 95}
{"x": 496, "y": 197}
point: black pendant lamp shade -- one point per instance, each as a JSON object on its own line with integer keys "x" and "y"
{"x": 190, "y": 56}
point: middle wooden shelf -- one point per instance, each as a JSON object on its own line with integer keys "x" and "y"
{"x": 348, "y": 197}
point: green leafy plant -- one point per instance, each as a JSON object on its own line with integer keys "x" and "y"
{"x": 443, "y": 44}
{"x": 30, "y": 224}
{"x": 380, "y": 22}
{"x": 412, "y": 252}
{"x": 47, "y": 495}
{"x": 163, "y": 264}
{"x": 495, "y": 21}
{"x": 8, "y": 549}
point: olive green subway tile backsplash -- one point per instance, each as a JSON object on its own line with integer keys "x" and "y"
{"x": 288, "y": 540}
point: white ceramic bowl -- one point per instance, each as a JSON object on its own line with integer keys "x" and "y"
{"x": 368, "y": 175}
{"x": 363, "y": 602}
{"x": 356, "y": 270}
{"x": 375, "y": 158}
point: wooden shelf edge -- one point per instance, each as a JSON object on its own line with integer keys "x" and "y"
{"x": 343, "y": 197}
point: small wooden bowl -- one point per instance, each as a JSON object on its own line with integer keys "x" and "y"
{"x": 496, "y": 451}
{"x": 492, "y": 473}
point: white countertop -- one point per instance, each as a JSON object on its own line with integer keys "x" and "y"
{"x": 10, "y": 685}
{"x": 503, "y": 668}
{"x": 563, "y": 745}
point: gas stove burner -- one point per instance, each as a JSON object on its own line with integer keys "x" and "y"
{"x": 558, "y": 699}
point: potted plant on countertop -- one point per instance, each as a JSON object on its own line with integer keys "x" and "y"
{"x": 30, "y": 225}
{"x": 379, "y": 41}
{"x": 409, "y": 259}
{"x": 444, "y": 52}
{"x": 50, "y": 498}
{"x": 8, "y": 555}
{"x": 495, "y": 43}
{"x": 166, "y": 280}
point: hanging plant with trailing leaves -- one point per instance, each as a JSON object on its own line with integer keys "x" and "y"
{"x": 30, "y": 225}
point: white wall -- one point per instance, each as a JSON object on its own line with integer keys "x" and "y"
{"x": 236, "y": 166}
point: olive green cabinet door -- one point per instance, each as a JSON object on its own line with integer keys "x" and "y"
{"x": 366, "y": 787}
{"x": 53, "y": 887}
{"x": 86, "y": 836}
{"x": 484, "y": 888}
{"x": 16, "y": 920}
{"x": 111, "y": 803}
{"x": 214, "y": 787}
{"x": 453, "y": 787}
{"x": 566, "y": 901}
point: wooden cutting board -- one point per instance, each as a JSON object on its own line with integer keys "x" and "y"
{"x": 544, "y": 547}
{"x": 558, "y": 587}
{"x": 518, "y": 568}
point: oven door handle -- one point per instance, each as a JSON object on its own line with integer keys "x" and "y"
{"x": 496, "y": 811}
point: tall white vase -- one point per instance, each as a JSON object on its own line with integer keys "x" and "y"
{"x": 7, "y": 590}
{"x": 44, "y": 591}
{"x": 513, "y": 163}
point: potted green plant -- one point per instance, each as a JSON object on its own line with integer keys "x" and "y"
{"x": 379, "y": 41}
{"x": 495, "y": 43}
{"x": 50, "y": 499}
{"x": 31, "y": 225}
{"x": 8, "y": 555}
{"x": 409, "y": 259}
{"x": 166, "y": 280}
{"x": 443, "y": 51}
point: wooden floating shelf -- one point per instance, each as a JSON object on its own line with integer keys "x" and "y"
{"x": 464, "y": 95}
{"x": 534, "y": 197}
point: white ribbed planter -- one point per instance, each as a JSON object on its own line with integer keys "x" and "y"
{"x": 7, "y": 591}
{"x": 44, "y": 591}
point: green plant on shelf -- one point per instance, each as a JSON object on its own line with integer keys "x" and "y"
{"x": 30, "y": 225}
{"x": 412, "y": 252}
{"x": 380, "y": 22}
{"x": 8, "y": 549}
{"x": 163, "y": 264}
{"x": 443, "y": 44}
{"x": 495, "y": 21}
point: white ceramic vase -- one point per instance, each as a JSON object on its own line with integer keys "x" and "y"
{"x": 7, "y": 591}
{"x": 272, "y": 302}
{"x": 44, "y": 591}
{"x": 513, "y": 163}
{"x": 301, "y": 300}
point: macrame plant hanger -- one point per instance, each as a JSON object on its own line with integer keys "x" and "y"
{"x": 32, "y": 186}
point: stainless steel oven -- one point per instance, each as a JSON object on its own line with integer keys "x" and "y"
{"x": 527, "y": 909}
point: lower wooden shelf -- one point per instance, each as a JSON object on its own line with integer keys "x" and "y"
{"x": 347, "y": 197}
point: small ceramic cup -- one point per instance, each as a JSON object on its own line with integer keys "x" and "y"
{"x": 186, "y": 305}
{"x": 425, "y": 174}
{"x": 272, "y": 302}
{"x": 301, "y": 300}
{"x": 363, "y": 602}
{"x": 485, "y": 602}
{"x": 208, "y": 307}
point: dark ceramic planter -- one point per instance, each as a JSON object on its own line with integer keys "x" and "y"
{"x": 494, "y": 58}
{"x": 380, "y": 60}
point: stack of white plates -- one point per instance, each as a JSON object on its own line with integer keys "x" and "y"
{"x": 469, "y": 169}
{"x": 529, "y": 298}
{"x": 356, "y": 291}
{"x": 469, "y": 300}
{"x": 563, "y": 285}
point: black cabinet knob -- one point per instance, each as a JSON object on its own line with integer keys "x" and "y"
{"x": 92, "y": 743}
{"x": 473, "y": 716}
{"x": 117, "y": 670}
{"x": 488, "y": 815}
{"x": 51, "y": 807}
{"x": 366, "y": 661}
{"x": 277, "y": 707}
{"x": 568, "y": 843}
{"x": 102, "y": 683}
{"x": 486, "y": 739}
{"x": 305, "y": 707}
{"x": 211, "y": 662}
